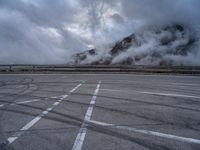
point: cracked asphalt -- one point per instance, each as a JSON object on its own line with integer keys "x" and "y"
{"x": 99, "y": 112}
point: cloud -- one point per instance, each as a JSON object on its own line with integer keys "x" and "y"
{"x": 33, "y": 32}
{"x": 46, "y": 32}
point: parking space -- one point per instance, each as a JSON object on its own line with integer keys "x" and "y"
{"x": 99, "y": 111}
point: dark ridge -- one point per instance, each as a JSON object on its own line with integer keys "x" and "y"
{"x": 123, "y": 45}
{"x": 133, "y": 41}
{"x": 78, "y": 58}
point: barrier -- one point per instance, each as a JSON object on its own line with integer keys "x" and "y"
{"x": 99, "y": 68}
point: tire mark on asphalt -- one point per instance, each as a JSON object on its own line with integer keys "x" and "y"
{"x": 143, "y": 116}
{"x": 25, "y": 90}
{"x": 78, "y": 121}
{"x": 82, "y": 132}
{"x": 38, "y": 117}
{"x": 145, "y": 102}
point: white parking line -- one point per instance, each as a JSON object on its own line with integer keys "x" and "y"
{"x": 54, "y": 97}
{"x": 158, "y": 134}
{"x": 156, "y": 93}
{"x": 82, "y": 132}
{"x": 168, "y": 94}
{"x": 24, "y": 102}
{"x": 183, "y": 84}
{"x": 56, "y": 103}
{"x": 35, "y": 100}
{"x": 36, "y": 119}
{"x": 74, "y": 89}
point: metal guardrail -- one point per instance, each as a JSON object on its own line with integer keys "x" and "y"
{"x": 99, "y": 68}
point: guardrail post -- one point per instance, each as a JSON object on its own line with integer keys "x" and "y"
{"x": 10, "y": 68}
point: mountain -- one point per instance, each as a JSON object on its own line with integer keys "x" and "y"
{"x": 151, "y": 46}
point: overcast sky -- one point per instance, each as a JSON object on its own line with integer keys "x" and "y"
{"x": 50, "y": 31}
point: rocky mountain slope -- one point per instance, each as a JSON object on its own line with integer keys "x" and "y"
{"x": 151, "y": 46}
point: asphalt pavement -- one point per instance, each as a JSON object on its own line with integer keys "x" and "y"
{"x": 99, "y": 112}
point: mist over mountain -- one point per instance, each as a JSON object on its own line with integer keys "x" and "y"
{"x": 167, "y": 45}
{"x": 134, "y": 32}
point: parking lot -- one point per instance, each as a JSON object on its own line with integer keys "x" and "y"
{"x": 99, "y": 112}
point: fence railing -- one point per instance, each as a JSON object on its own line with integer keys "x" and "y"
{"x": 99, "y": 68}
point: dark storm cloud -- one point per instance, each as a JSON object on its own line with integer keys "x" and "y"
{"x": 33, "y": 32}
{"x": 51, "y": 31}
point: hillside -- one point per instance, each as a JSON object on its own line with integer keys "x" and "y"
{"x": 150, "y": 46}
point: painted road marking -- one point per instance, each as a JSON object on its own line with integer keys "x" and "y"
{"x": 158, "y": 134}
{"x": 183, "y": 84}
{"x": 36, "y": 119}
{"x": 156, "y": 93}
{"x": 74, "y": 89}
{"x": 54, "y": 97}
{"x": 168, "y": 94}
{"x": 56, "y": 103}
{"x": 24, "y": 102}
{"x": 36, "y": 100}
{"x": 83, "y": 130}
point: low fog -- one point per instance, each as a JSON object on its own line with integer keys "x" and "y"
{"x": 53, "y": 31}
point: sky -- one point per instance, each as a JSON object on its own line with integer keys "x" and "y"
{"x": 51, "y": 31}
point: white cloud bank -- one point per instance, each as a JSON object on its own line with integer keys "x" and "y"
{"x": 51, "y": 31}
